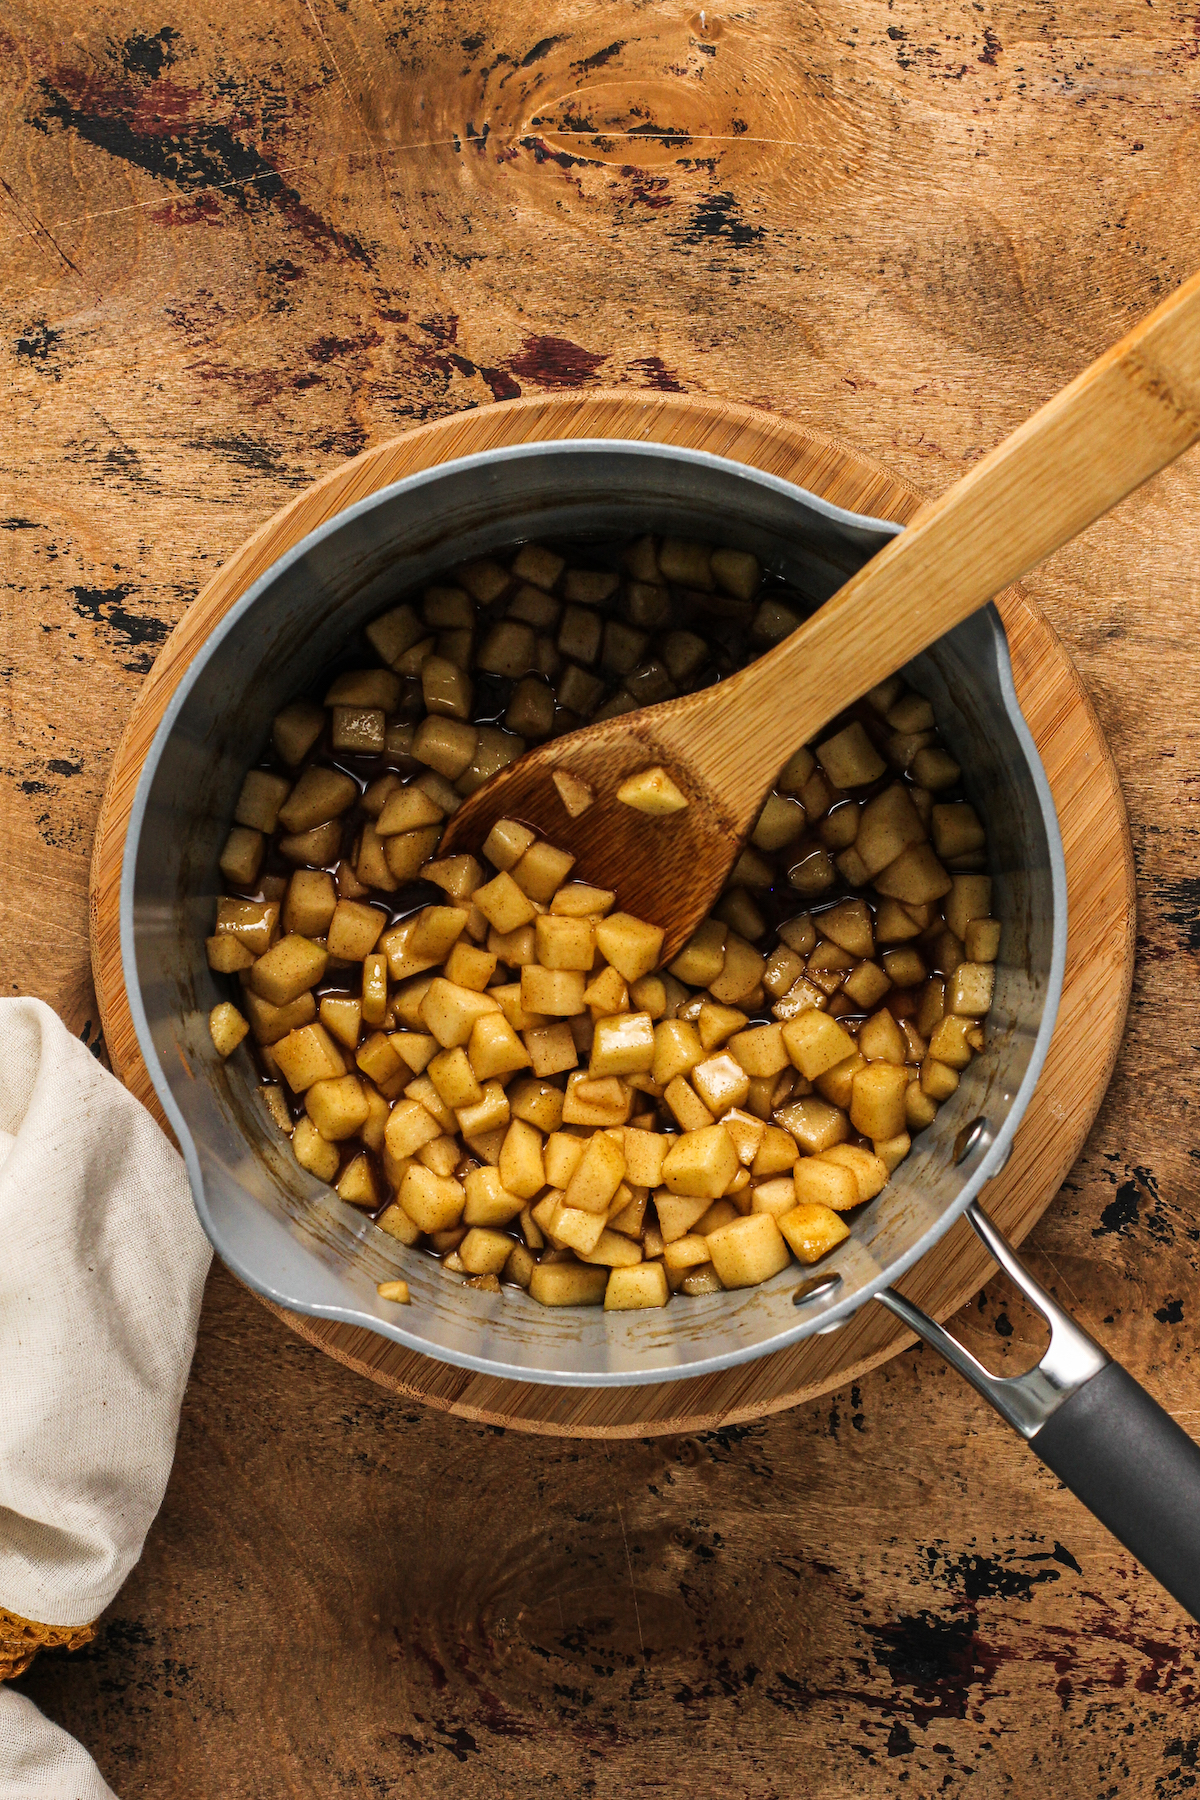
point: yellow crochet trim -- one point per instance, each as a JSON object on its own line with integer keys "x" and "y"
{"x": 21, "y": 1639}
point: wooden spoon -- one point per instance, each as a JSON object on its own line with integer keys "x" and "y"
{"x": 1133, "y": 411}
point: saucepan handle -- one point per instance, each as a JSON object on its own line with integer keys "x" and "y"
{"x": 1094, "y": 1426}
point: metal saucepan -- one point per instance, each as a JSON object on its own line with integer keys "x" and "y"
{"x": 292, "y": 1239}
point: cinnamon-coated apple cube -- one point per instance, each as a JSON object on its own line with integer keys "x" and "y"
{"x": 868, "y": 1170}
{"x": 408, "y": 851}
{"x": 359, "y": 1185}
{"x": 394, "y": 633}
{"x": 645, "y": 1152}
{"x": 579, "y": 900}
{"x": 409, "y": 1126}
{"x": 407, "y": 809}
{"x": 920, "y": 1108}
{"x": 837, "y": 1084}
{"x": 272, "y": 1098}
{"x": 812, "y": 1230}
{"x": 446, "y": 744}
{"x": 760, "y": 1051}
{"x": 597, "y": 1176}
{"x": 378, "y": 1111}
{"x": 892, "y": 1151}
{"x": 741, "y": 971}
{"x": 721, "y": 1082}
{"x": 562, "y": 1155}
{"x": 815, "y": 1042}
{"x": 916, "y": 876}
{"x": 737, "y": 571}
{"x": 261, "y": 797}
{"x": 289, "y": 967}
{"x": 457, "y": 876}
{"x": 880, "y": 1039}
{"x": 776, "y": 1196}
{"x": 956, "y": 830}
{"x": 970, "y": 988}
{"x": 226, "y": 1027}
{"x": 468, "y": 966}
{"x": 254, "y": 923}
{"x": 374, "y": 989}
{"x": 451, "y": 1012}
{"x": 970, "y": 897}
{"x": 982, "y": 942}
{"x": 446, "y": 688}
{"x": 815, "y": 1124}
{"x": 320, "y": 795}
{"x": 296, "y": 729}
{"x": 564, "y": 943}
{"x": 629, "y": 944}
{"x": 454, "y": 1078}
{"x": 606, "y": 994}
{"x": 780, "y": 822}
{"x": 441, "y": 1154}
{"x": 591, "y": 1100}
{"x": 716, "y": 1024}
{"x": 506, "y": 843}
{"x": 568, "y": 1284}
{"x": 555, "y": 992}
{"x": 866, "y": 985}
{"x": 613, "y": 1250}
{"x": 433, "y": 1202}
{"x": 678, "y": 1213}
{"x": 539, "y": 1103}
{"x": 849, "y": 926}
{"x": 737, "y": 910}
{"x": 877, "y": 1103}
{"x": 422, "y": 1090}
{"x": 306, "y": 1055}
{"x": 653, "y": 792}
{"x": 357, "y": 730}
{"x": 494, "y": 1047}
{"x": 522, "y": 1170}
{"x": 503, "y": 904}
{"x": 642, "y": 1285}
{"x": 309, "y": 903}
{"x": 686, "y": 1253}
{"x": 488, "y": 1200}
{"x": 378, "y": 688}
{"x": 515, "y": 948}
{"x": 380, "y": 1060}
{"x": 677, "y": 1050}
{"x": 575, "y": 1228}
{"x": 416, "y": 1048}
{"x": 850, "y": 759}
{"x": 271, "y": 1023}
{"x": 313, "y": 1152}
{"x": 702, "y": 958}
{"x": 748, "y": 1251}
{"x": 684, "y": 1102}
{"x": 542, "y": 871}
{"x": 354, "y": 930}
{"x": 701, "y": 1162}
{"x": 484, "y": 1251}
{"x": 551, "y": 1049}
{"x": 888, "y": 825}
{"x": 226, "y": 955}
{"x": 948, "y": 1041}
{"x": 337, "y": 1106}
{"x": 489, "y": 1113}
{"x": 623, "y": 1045}
{"x": 747, "y": 1134}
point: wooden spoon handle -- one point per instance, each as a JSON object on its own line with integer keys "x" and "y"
{"x": 1133, "y": 411}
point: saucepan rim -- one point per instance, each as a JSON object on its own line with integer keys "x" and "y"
{"x": 836, "y": 1311}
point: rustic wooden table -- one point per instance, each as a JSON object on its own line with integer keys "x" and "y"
{"x": 240, "y": 246}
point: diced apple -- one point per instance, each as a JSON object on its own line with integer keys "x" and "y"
{"x": 313, "y": 1152}
{"x": 433, "y": 1202}
{"x": 226, "y": 1027}
{"x": 748, "y": 1251}
{"x": 877, "y": 1104}
{"x": 629, "y": 944}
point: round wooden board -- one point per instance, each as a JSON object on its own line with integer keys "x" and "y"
{"x": 1099, "y": 862}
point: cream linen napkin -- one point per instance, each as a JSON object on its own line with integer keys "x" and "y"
{"x": 102, "y": 1265}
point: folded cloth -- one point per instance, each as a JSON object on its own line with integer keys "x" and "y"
{"x": 102, "y": 1268}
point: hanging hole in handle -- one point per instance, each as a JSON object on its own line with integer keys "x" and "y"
{"x": 816, "y": 1289}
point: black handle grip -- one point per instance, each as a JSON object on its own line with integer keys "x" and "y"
{"x": 1131, "y": 1465}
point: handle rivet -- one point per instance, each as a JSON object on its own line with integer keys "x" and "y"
{"x": 816, "y": 1288}
{"x": 968, "y": 1138}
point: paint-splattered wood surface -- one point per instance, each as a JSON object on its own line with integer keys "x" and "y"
{"x": 243, "y": 243}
